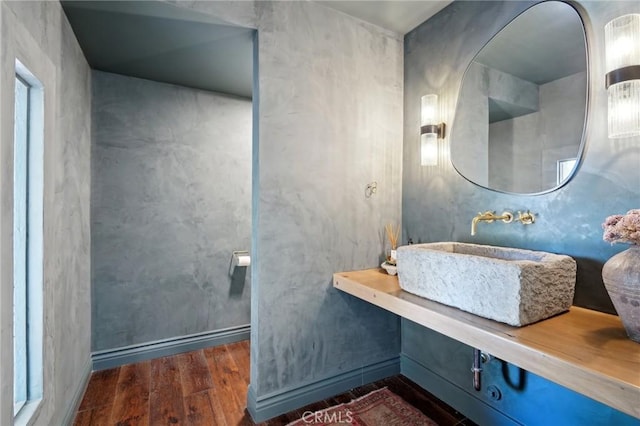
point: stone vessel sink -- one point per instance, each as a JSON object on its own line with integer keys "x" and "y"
{"x": 510, "y": 285}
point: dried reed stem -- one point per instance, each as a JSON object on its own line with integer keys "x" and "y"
{"x": 392, "y": 235}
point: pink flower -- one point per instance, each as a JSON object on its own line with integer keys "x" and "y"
{"x": 622, "y": 228}
{"x": 612, "y": 220}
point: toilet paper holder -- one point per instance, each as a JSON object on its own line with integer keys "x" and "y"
{"x": 239, "y": 258}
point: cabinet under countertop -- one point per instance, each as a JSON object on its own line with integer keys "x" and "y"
{"x": 584, "y": 350}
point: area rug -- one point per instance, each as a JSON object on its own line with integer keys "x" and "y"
{"x": 378, "y": 408}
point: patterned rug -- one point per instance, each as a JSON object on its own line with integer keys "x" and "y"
{"x": 378, "y": 408}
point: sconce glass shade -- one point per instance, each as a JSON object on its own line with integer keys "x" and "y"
{"x": 624, "y": 109}
{"x": 622, "y": 42}
{"x": 429, "y": 149}
{"x": 429, "y": 110}
{"x": 429, "y": 130}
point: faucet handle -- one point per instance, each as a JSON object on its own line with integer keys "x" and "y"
{"x": 507, "y": 216}
{"x": 526, "y": 218}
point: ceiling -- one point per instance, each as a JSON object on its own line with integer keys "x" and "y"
{"x": 158, "y": 41}
{"x": 400, "y": 16}
{"x": 541, "y": 45}
{"x": 162, "y": 42}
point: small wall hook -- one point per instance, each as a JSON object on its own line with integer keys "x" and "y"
{"x": 370, "y": 189}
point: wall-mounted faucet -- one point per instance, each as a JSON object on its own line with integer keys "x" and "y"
{"x": 526, "y": 218}
{"x": 489, "y": 217}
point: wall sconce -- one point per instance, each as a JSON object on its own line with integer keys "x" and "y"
{"x": 622, "y": 43}
{"x": 430, "y": 131}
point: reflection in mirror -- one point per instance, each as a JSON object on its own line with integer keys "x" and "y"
{"x": 520, "y": 116}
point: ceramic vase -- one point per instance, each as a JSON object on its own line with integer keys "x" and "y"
{"x": 621, "y": 275}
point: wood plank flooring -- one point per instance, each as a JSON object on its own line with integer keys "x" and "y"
{"x": 208, "y": 387}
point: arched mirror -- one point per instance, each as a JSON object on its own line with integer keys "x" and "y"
{"x": 520, "y": 117}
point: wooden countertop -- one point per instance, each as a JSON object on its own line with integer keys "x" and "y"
{"x": 584, "y": 350}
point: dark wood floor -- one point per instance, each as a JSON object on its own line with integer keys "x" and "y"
{"x": 208, "y": 387}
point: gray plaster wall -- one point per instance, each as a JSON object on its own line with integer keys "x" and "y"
{"x": 538, "y": 140}
{"x": 518, "y": 154}
{"x": 330, "y": 118}
{"x": 38, "y": 34}
{"x": 472, "y": 157}
{"x": 438, "y": 204}
{"x": 330, "y": 122}
{"x": 483, "y": 156}
{"x": 171, "y": 201}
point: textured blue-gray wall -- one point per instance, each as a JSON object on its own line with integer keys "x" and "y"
{"x": 552, "y": 115}
{"x": 438, "y": 204}
{"x": 38, "y": 34}
{"x": 525, "y": 397}
{"x": 330, "y": 122}
{"x": 171, "y": 200}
